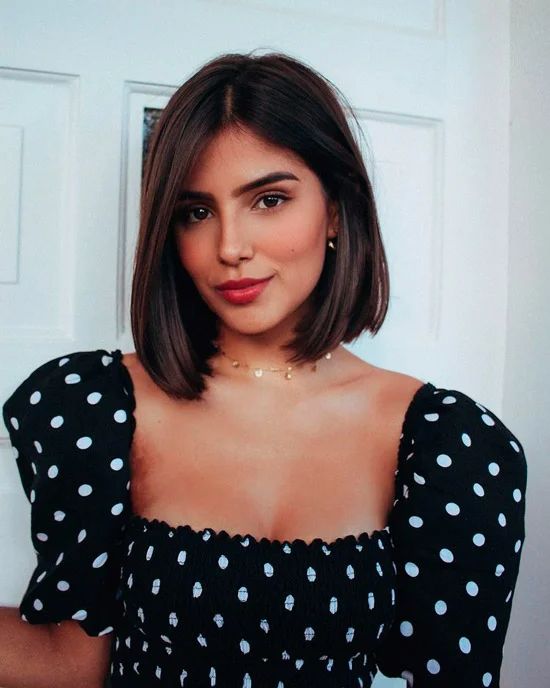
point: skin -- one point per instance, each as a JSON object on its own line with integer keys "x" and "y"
{"x": 314, "y": 456}
{"x": 255, "y": 235}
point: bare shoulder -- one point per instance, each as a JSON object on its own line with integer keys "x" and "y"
{"x": 395, "y": 387}
{"x": 383, "y": 396}
{"x": 144, "y": 387}
{"x": 381, "y": 386}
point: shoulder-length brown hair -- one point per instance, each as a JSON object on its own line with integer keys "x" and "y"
{"x": 292, "y": 106}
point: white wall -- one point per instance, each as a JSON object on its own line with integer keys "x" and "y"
{"x": 527, "y": 378}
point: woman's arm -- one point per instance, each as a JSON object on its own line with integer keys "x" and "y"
{"x": 50, "y": 655}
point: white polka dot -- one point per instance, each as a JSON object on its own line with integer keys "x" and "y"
{"x": 117, "y": 509}
{"x": 486, "y": 418}
{"x": 41, "y": 576}
{"x": 120, "y": 416}
{"x": 502, "y": 519}
{"x": 433, "y": 666}
{"x": 84, "y": 442}
{"x": 515, "y": 445}
{"x": 440, "y": 607}
{"x": 59, "y": 559}
{"x": 444, "y": 460}
{"x": 517, "y": 495}
{"x": 14, "y": 422}
{"x": 416, "y": 521}
{"x": 431, "y": 416}
{"x": 63, "y": 585}
{"x": 106, "y": 360}
{"x": 406, "y": 628}
{"x": 53, "y": 471}
{"x": 491, "y": 623}
{"x": 419, "y": 479}
{"x": 33, "y": 466}
{"x": 81, "y": 535}
{"x": 478, "y": 489}
{"x": 100, "y": 560}
{"x": 80, "y": 615}
{"x": 487, "y": 678}
{"x": 508, "y": 596}
{"x": 116, "y": 464}
{"x": 309, "y": 633}
{"x": 446, "y": 555}
{"x": 85, "y": 490}
{"x": 449, "y": 399}
{"x": 32, "y": 496}
{"x": 37, "y": 604}
{"x": 452, "y": 509}
{"x": 472, "y": 588}
{"x": 466, "y": 439}
{"x": 517, "y": 546}
{"x": 93, "y": 397}
{"x": 63, "y": 360}
{"x": 57, "y": 421}
{"x": 499, "y": 570}
{"x": 106, "y": 630}
{"x": 412, "y": 569}
{"x": 72, "y": 378}
{"x": 479, "y": 539}
{"x": 42, "y": 537}
{"x": 35, "y": 397}
{"x": 465, "y": 645}
{"x": 223, "y": 561}
{"x": 494, "y": 468}
{"x": 59, "y": 515}
{"x": 38, "y": 447}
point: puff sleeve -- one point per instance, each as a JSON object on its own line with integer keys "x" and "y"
{"x": 457, "y": 526}
{"x": 70, "y": 423}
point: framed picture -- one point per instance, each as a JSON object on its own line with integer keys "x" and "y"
{"x": 143, "y": 105}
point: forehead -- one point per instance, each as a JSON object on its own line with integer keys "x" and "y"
{"x": 241, "y": 153}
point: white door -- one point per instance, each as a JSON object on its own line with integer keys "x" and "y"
{"x": 429, "y": 81}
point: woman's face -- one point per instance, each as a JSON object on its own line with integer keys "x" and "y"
{"x": 277, "y": 229}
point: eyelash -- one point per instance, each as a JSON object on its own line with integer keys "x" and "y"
{"x": 183, "y": 212}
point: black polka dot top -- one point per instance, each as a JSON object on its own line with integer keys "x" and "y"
{"x": 427, "y": 599}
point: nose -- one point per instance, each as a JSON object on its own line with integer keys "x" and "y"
{"x": 234, "y": 244}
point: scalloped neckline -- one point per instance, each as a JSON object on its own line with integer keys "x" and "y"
{"x": 163, "y": 526}
{"x": 157, "y": 524}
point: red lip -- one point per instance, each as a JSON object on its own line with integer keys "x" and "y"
{"x": 240, "y": 284}
{"x": 244, "y": 295}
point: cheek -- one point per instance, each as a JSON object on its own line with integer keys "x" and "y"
{"x": 191, "y": 254}
{"x": 299, "y": 238}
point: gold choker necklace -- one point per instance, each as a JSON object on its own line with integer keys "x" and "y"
{"x": 258, "y": 372}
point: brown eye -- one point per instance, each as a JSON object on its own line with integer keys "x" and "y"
{"x": 187, "y": 215}
{"x": 271, "y": 197}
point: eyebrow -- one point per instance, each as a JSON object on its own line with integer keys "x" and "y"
{"x": 240, "y": 190}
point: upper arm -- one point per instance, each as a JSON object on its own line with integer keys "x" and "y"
{"x": 86, "y": 658}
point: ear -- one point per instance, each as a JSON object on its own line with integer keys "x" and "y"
{"x": 333, "y": 219}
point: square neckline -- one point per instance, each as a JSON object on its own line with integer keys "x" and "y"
{"x": 163, "y": 527}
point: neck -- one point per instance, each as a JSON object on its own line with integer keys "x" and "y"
{"x": 248, "y": 357}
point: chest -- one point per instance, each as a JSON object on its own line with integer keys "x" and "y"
{"x": 317, "y": 469}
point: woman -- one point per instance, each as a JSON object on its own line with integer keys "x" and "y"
{"x": 242, "y": 501}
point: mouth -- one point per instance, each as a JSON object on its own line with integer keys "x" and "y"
{"x": 245, "y": 294}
